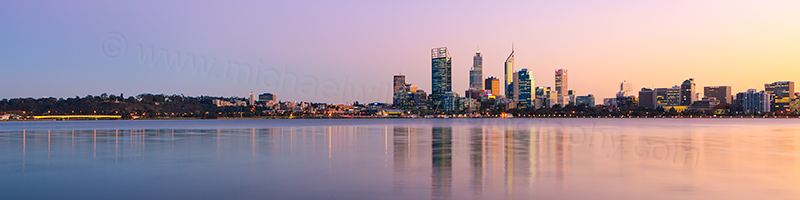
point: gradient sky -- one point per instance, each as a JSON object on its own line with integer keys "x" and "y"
{"x": 342, "y": 51}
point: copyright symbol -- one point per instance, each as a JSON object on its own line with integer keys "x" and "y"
{"x": 114, "y": 45}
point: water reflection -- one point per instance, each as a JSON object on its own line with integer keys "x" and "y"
{"x": 512, "y": 159}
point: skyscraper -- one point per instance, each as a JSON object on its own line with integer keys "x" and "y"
{"x": 509, "y": 67}
{"x": 674, "y": 96}
{"x": 399, "y": 83}
{"x": 722, "y": 93}
{"x": 524, "y": 82}
{"x": 493, "y": 85}
{"x": 440, "y": 75}
{"x": 782, "y": 93}
{"x": 688, "y": 92}
{"x": 476, "y": 74}
{"x": 561, "y": 85}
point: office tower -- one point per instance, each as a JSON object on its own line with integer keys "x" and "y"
{"x": 562, "y": 80}
{"x": 674, "y": 96}
{"x": 782, "y": 93}
{"x": 572, "y": 96}
{"x": 585, "y": 100}
{"x": 754, "y": 102}
{"x": 473, "y": 94}
{"x": 476, "y": 74}
{"x": 267, "y": 97}
{"x": 722, "y": 93}
{"x": 450, "y": 102}
{"x": 524, "y": 82}
{"x": 493, "y": 85}
{"x": 661, "y": 96}
{"x": 399, "y": 83}
{"x": 625, "y": 89}
{"x": 509, "y": 67}
{"x": 252, "y": 99}
{"x": 647, "y": 98}
{"x": 440, "y": 75}
{"x": 687, "y": 92}
{"x": 540, "y": 97}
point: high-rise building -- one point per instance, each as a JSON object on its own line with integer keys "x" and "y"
{"x": 625, "y": 89}
{"x": 493, "y": 85}
{"x": 267, "y": 97}
{"x": 721, "y": 93}
{"x": 476, "y": 74}
{"x": 661, "y": 96}
{"x": 782, "y": 93}
{"x": 674, "y": 96}
{"x": 440, "y": 75}
{"x": 754, "y": 102}
{"x": 647, "y": 98}
{"x": 252, "y": 99}
{"x": 585, "y": 100}
{"x": 509, "y": 67}
{"x": 399, "y": 82}
{"x": 524, "y": 82}
{"x": 450, "y": 102}
{"x": 562, "y": 85}
{"x": 688, "y": 92}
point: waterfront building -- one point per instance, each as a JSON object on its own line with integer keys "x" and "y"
{"x": 647, "y": 98}
{"x": 441, "y": 66}
{"x": 476, "y": 74}
{"x": 721, "y": 93}
{"x": 524, "y": 82}
{"x": 509, "y": 74}
{"x": 687, "y": 92}
{"x": 782, "y": 93}
{"x": 399, "y": 82}
{"x": 674, "y": 96}
{"x": 267, "y": 97}
{"x": 493, "y": 85}
{"x": 753, "y": 102}
{"x": 585, "y": 100}
{"x": 562, "y": 85}
{"x": 705, "y": 104}
{"x": 450, "y": 102}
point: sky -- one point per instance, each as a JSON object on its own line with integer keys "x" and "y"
{"x": 345, "y": 51}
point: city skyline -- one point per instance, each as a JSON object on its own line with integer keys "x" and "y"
{"x": 325, "y": 58}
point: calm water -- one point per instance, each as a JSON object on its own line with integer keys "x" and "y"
{"x": 402, "y": 159}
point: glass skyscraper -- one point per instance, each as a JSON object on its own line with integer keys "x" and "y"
{"x": 441, "y": 70}
{"x": 782, "y": 94}
{"x": 688, "y": 92}
{"x": 476, "y": 74}
{"x": 561, "y": 85}
{"x": 524, "y": 82}
{"x": 509, "y": 66}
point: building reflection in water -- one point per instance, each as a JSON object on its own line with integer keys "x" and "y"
{"x": 442, "y": 162}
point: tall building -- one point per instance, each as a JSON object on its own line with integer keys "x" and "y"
{"x": 252, "y": 99}
{"x": 647, "y": 98}
{"x": 625, "y": 89}
{"x": 493, "y": 85}
{"x": 721, "y": 93}
{"x": 440, "y": 75}
{"x": 782, "y": 93}
{"x": 562, "y": 86}
{"x": 267, "y": 97}
{"x": 674, "y": 96}
{"x": 399, "y": 82}
{"x": 509, "y": 67}
{"x": 476, "y": 74}
{"x": 754, "y": 102}
{"x": 688, "y": 92}
{"x": 661, "y": 96}
{"x": 524, "y": 82}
